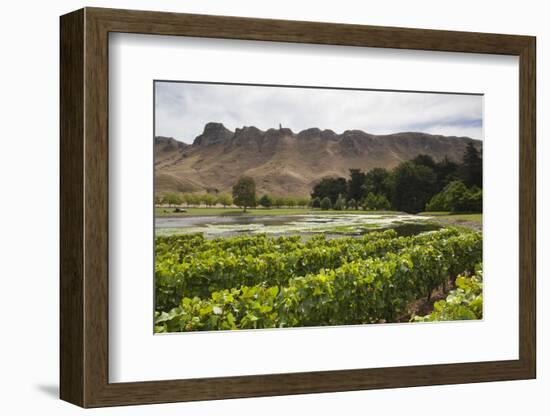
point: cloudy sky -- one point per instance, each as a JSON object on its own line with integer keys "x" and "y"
{"x": 182, "y": 110}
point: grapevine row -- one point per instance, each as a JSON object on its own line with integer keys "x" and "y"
{"x": 364, "y": 290}
{"x": 235, "y": 262}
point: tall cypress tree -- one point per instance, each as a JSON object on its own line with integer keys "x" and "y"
{"x": 472, "y": 167}
{"x": 355, "y": 184}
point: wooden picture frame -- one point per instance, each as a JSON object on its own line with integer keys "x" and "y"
{"x": 84, "y": 207}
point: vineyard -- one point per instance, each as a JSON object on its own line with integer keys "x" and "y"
{"x": 257, "y": 281}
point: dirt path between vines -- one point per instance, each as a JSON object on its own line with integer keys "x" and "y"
{"x": 422, "y": 307}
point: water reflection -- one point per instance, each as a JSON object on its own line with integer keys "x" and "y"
{"x": 332, "y": 225}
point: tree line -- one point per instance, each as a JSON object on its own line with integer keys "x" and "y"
{"x": 420, "y": 184}
{"x": 206, "y": 199}
{"x": 242, "y": 197}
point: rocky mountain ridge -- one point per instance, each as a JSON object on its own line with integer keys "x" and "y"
{"x": 283, "y": 162}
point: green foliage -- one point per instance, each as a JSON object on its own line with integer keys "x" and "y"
{"x": 340, "y": 203}
{"x": 278, "y": 201}
{"x": 472, "y": 167}
{"x": 191, "y": 265}
{"x": 225, "y": 200}
{"x": 355, "y": 184}
{"x": 172, "y": 198}
{"x": 425, "y": 160}
{"x": 446, "y": 172}
{"x": 383, "y": 203}
{"x": 290, "y": 202}
{"x": 281, "y": 201}
{"x": 456, "y": 197}
{"x": 412, "y": 187}
{"x": 472, "y": 202}
{"x": 326, "y": 204}
{"x": 330, "y": 188}
{"x": 303, "y": 202}
{"x": 244, "y": 192}
{"x": 377, "y": 182}
{"x": 463, "y": 303}
{"x": 266, "y": 201}
{"x": 208, "y": 199}
{"x": 284, "y": 282}
{"x": 438, "y": 203}
{"x": 192, "y": 199}
{"x": 376, "y": 202}
{"x": 316, "y": 202}
{"x": 352, "y": 204}
{"x": 370, "y": 202}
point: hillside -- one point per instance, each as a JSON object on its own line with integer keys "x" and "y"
{"x": 285, "y": 163}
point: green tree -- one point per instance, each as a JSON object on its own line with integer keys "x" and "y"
{"x": 224, "y": 200}
{"x": 194, "y": 199}
{"x": 377, "y": 181}
{"x": 355, "y": 184}
{"x": 370, "y": 202}
{"x": 244, "y": 192}
{"x": 438, "y": 202}
{"x": 376, "y": 202}
{"x": 474, "y": 200}
{"x": 302, "y": 202}
{"x": 352, "y": 204}
{"x": 446, "y": 171}
{"x": 383, "y": 203}
{"x": 316, "y": 202}
{"x": 331, "y": 188}
{"x": 172, "y": 198}
{"x": 187, "y": 198}
{"x": 472, "y": 167}
{"x": 290, "y": 202}
{"x": 429, "y": 162}
{"x": 457, "y": 197}
{"x": 340, "y": 203}
{"x": 425, "y": 160}
{"x": 208, "y": 199}
{"x": 412, "y": 186}
{"x": 278, "y": 201}
{"x": 265, "y": 201}
{"x": 326, "y": 204}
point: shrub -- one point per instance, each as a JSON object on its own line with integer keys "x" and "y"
{"x": 376, "y": 202}
{"x": 266, "y": 201}
{"x": 340, "y": 203}
{"x": 456, "y": 197}
{"x": 326, "y": 204}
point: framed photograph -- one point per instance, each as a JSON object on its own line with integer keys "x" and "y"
{"x": 256, "y": 207}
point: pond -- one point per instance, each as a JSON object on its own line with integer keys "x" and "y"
{"x": 306, "y": 224}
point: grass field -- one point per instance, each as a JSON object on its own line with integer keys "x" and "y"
{"x": 193, "y": 212}
{"x": 477, "y": 217}
{"x": 473, "y": 221}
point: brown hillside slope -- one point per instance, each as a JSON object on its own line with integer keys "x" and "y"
{"x": 285, "y": 163}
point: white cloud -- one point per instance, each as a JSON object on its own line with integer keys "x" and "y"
{"x": 182, "y": 110}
